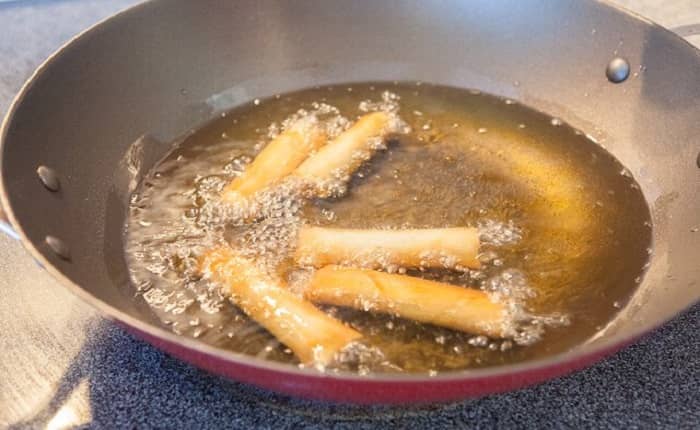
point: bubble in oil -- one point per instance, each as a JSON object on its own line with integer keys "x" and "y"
{"x": 499, "y": 233}
{"x": 479, "y": 341}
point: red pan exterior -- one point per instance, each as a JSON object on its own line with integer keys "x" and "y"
{"x": 374, "y": 391}
{"x": 153, "y": 66}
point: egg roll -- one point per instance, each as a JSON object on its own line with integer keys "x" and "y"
{"x": 431, "y": 247}
{"x": 458, "y": 308}
{"x": 311, "y": 334}
{"x": 277, "y": 160}
{"x": 337, "y": 160}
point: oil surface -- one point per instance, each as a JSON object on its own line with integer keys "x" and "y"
{"x": 563, "y": 223}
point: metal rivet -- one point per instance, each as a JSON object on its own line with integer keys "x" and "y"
{"x": 58, "y": 247}
{"x": 618, "y": 70}
{"x": 48, "y": 177}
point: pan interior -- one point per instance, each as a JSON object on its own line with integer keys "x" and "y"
{"x": 566, "y": 225}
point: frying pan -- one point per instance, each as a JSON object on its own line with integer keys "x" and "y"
{"x": 160, "y": 69}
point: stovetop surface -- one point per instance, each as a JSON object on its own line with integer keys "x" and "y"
{"x": 64, "y": 366}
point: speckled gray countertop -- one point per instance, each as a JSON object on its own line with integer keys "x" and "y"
{"x": 63, "y": 366}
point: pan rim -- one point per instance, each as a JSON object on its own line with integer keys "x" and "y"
{"x": 577, "y": 354}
